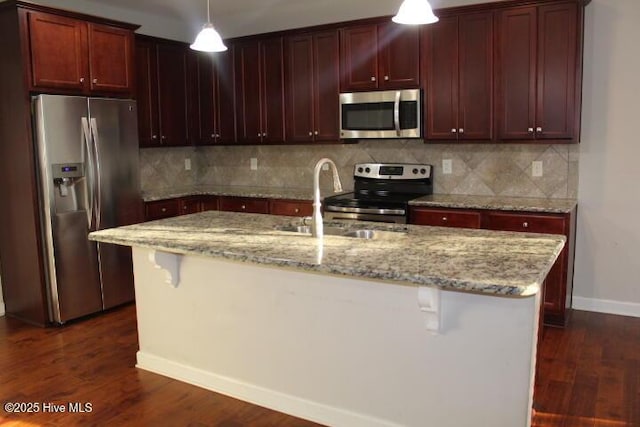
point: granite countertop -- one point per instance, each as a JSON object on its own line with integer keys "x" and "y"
{"x": 496, "y": 203}
{"x": 481, "y": 261}
{"x": 226, "y": 190}
{"x": 525, "y": 204}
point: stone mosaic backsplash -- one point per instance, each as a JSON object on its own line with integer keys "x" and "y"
{"x": 478, "y": 169}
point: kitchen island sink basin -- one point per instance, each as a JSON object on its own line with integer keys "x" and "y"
{"x": 329, "y": 231}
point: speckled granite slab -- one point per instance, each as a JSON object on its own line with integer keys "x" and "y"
{"x": 238, "y": 191}
{"x": 482, "y": 261}
{"x": 496, "y": 203}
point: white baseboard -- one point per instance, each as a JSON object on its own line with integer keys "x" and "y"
{"x": 257, "y": 395}
{"x": 607, "y": 306}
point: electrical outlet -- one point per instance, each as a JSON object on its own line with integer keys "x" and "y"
{"x": 536, "y": 168}
{"x": 187, "y": 164}
{"x": 254, "y": 164}
{"x": 447, "y": 166}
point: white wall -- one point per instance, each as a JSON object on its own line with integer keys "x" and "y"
{"x": 607, "y": 269}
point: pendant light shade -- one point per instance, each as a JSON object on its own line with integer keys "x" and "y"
{"x": 415, "y": 12}
{"x": 208, "y": 39}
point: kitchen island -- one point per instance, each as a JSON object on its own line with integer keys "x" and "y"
{"x": 417, "y": 326}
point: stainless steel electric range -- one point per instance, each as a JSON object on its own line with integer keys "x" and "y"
{"x": 382, "y": 192}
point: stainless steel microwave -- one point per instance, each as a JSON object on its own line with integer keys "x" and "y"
{"x": 381, "y": 114}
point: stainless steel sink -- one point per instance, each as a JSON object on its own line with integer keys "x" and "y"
{"x": 329, "y": 231}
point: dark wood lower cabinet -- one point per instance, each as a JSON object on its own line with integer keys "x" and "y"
{"x": 559, "y": 282}
{"x": 290, "y": 207}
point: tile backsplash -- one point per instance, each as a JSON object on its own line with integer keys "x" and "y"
{"x": 478, "y": 169}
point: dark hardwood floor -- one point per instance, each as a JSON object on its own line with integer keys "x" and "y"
{"x": 589, "y": 375}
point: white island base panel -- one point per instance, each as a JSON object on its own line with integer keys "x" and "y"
{"x": 336, "y": 350}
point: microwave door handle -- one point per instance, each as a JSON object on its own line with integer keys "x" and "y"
{"x": 396, "y": 112}
{"x": 89, "y": 170}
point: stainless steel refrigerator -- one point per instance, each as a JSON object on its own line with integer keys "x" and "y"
{"x": 88, "y": 179}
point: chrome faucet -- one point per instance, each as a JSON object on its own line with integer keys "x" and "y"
{"x": 316, "y": 219}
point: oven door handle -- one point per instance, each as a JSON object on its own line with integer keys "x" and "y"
{"x": 365, "y": 210}
{"x": 396, "y": 112}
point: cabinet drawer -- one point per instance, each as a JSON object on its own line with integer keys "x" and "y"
{"x": 446, "y": 218}
{"x": 526, "y": 222}
{"x": 161, "y": 209}
{"x": 242, "y": 204}
{"x": 209, "y": 203}
{"x": 291, "y": 208}
{"x": 188, "y": 205}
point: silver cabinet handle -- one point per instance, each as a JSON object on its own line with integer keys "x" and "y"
{"x": 243, "y": 207}
{"x": 213, "y": 135}
{"x": 373, "y": 79}
{"x": 461, "y": 130}
{"x": 525, "y": 224}
{"x": 454, "y": 130}
{"x": 296, "y": 210}
{"x": 538, "y": 129}
{"x": 163, "y": 137}
{"x": 81, "y": 79}
{"x": 315, "y": 133}
{"x": 386, "y": 78}
{"x": 217, "y": 135}
{"x": 264, "y": 135}
{"x": 259, "y": 134}
{"x": 95, "y": 81}
{"x": 310, "y": 133}
{"x": 154, "y": 136}
{"x": 530, "y": 130}
{"x": 444, "y": 218}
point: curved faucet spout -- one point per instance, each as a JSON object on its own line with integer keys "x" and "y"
{"x": 316, "y": 220}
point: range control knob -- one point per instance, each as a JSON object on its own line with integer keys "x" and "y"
{"x": 367, "y": 170}
{"x": 423, "y": 171}
{"x": 415, "y": 171}
{"x": 360, "y": 169}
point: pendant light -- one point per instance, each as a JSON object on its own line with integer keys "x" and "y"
{"x": 415, "y": 12}
{"x": 208, "y": 39}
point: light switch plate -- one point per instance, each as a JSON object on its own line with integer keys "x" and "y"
{"x": 187, "y": 164}
{"x": 536, "y": 168}
{"x": 447, "y": 166}
{"x": 254, "y": 164}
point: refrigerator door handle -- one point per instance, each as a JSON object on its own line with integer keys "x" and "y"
{"x": 98, "y": 184}
{"x": 86, "y": 133}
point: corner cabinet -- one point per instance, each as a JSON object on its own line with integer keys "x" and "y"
{"x": 73, "y": 56}
{"x": 259, "y": 71}
{"x": 312, "y": 90}
{"x": 539, "y": 63}
{"x": 458, "y": 67}
{"x": 379, "y": 56}
{"x": 558, "y": 285}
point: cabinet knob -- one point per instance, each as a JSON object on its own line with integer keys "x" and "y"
{"x": 444, "y": 218}
{"x": 163, "y": 209}
{"x": 525, "y": 224}
{"x": 373, "y": 79}
{"x": 530, "y": 130}
{"x": 538, "y": 129}
{"x": 81, "y": 79}
{"x": 264, "y": 135}
{"x": 243, "y": 207}
{"x": 217, "y": 135}
{"x": 316, "y": 133}
{"x": 310, "y": 133}
{"x": 154, "y": 136}
{"x": 454, "y": 130}
{"x": 213, "y": 135}
{"x": 386, "y": 78}
{"x": 163, "y": 137}
{"x": 95, "y": 81}
{"x": 259, "y": 134}
{"x": 297, "y": 210}
{"x": 461, "y": 130}
{"x": 184, "y": 208}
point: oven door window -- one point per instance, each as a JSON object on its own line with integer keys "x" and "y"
{"x": 368, "y": 116}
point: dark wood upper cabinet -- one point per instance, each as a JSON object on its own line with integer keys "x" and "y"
{"x": 259, "y": 74}
{"x": 458, "y": 64}
{"x": 73, "y": 56}
{"x": 214, "y": 97}
{"x": 538, "y": 81}
{"x": 312, "y": 77}
{"x": 379, "y": 56}
{"x": 167, "y": 115}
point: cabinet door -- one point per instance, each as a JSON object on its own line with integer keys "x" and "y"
{"x": 172, "y": 94}
{"x": 147, "y": 93}
{"x": 290, "y": 207}
{"x": 516, "y": 73}
{"x": 556, "y": 84}
{"x": 58, "y": 52}
{"x": 193, "y": 95}
{"x": 244, "y": 204}
{"x": 206, "y": 99}
{"x": 272, "y": 58}
{"x": 110, "y": 59}
{"x": 225, "y": 96}
{"x": 248, "y": 93}
{"x": 441, "y": 54}
{"x": 300, "y": 97}
{"x": 359, "y": 58}
{"x": 209, "y": 203}
{"x": 399, "y": 56}
{"x": 189, "y": 205}
{"x": 475, "y": 53}
{"x": 161, "y": 209}
{"x": 326, "y": 86}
